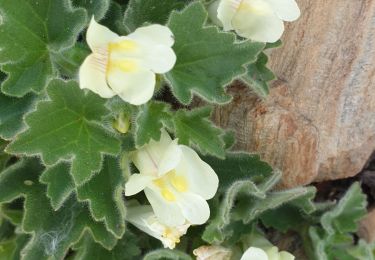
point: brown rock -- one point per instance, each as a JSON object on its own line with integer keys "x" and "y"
{"x": 319, "y": 121}
{"x": 367, "y": 227}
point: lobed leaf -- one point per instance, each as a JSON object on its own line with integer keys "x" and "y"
{"x": 207, "y": 59}
{"x": 65, "y": 128}
{"x": 12, "y": 112}
{"x": 103, "y": 192}
{"x": 97, "y": 9}
{"x": 32, "y": 33}
{"x": 194, "y": 128}
{"x": 140, "y": 12}
{"x": 53, "y": 232}
{"x": 150, "y": 120}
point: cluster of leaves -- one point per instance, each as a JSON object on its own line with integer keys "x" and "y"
{"x": 63, "y": 154}
{"x": 328, "y": 233}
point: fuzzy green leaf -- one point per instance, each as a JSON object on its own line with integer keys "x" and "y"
{"x": 237, "y": 166}
{"x": 98, "y": 9}
{"x": 10, "y": 249}
{"x": 345, "y": 215}
{"x": 207, "y": 60}
{"x": 65, "y": 127}
{"x": 103, "y": 192}
{"x": 4, "y": 157}
{"x": 258, "y": 76}
{"x": 140, "y": 12}
{"x": 53, "y": 232}
{"x": 166, "y": 254}
{"x": 104, "y": 195}
{"x": 32, "y": 32}
{"x": 215, "y": 231}
{"x": 150, "y": 120}
{"x": 301, "y": 196}
{"x": 60, "y": 184}
{"x": 125, "y": 249}
{"x": 194, "y": 128}
{"x": 114, "y": 19}
{"x": 12, "y": 111}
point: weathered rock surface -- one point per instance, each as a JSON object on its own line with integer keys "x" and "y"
{"x": 367, "y": 227}
{"x": 319, "y": 121}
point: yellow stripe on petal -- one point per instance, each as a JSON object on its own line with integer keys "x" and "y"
{"x": 124, "y": 65}
{"x": 179, "y": 183}
{"x": 124, "y": 45}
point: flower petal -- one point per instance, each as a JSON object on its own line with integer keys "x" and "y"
{"x": 226, "y": 12}
{"x": 202, "y": 179}
{"x": 148, "y": 158}
{"x": 286, "y": 256}
{"x": 159, "y": 58}
{"x": 254, "y": 253}
{"x": 137, "y": 183}
{"x": 167, "y": 213}
{"x": 286, "y": 10}
{"x": 135, "y": 86}
{"x": 212, "y": 12}
{"x": 263, "y": 27}
{"x": 171, "y": 158}
{"x": 155, "y": 34}
{"x": 92, "y": 76}
{"x": 194, "y": 208}
{"x": 98, "y": 36}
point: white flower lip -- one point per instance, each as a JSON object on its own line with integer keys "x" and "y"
{"x": 258, "y": 20}
{"x": 144, "y": 218}
{"x": 126, "y": 65}
{"x": 176, "y": 181}
{"x": 271, "y": 253}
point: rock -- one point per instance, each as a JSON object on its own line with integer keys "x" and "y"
{"x": 367, "y": 227}
{"x": 319, "y": 121}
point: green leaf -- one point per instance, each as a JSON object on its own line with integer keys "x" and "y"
{"x": 194, "y": 128}
{"x": 32, "y": 32}
{"x": 151, "y": 118}
{"x": 237, "y": 166}
{"x": 114, "y": 19}
{"x": 166, "y": 254}
{"x": 103, "y": 192}
{"x": 258, "y": 76}
{"x": 345, "y": 215}
{"x": 207, "y": 59}
{"x": 60, "y": 184}
{"x": 302, "y": 196}
{"x": 11, "y": 249}
{"x": 125, "y": 249}
{"x": 140, "y": 12}
{"x": 284, "y": 218}
{"x": 65, "y": 128}
{"x": 4, "y": 157}
{"x": 53, "y": 232}
{"x": 215, "y": 231}
{"x": 7, "y": 249}
{"x": 98, "y": 9}
{"x": 104, "y": 195}
{"x": 12, "y": 111}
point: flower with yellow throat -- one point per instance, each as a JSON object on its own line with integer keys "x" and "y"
{"x": 126, "y": 65}
{"x": 258, "y": 20}
{"x": 176, "y": 181}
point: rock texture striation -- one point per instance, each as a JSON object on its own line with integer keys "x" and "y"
{"x": 319, "y": 121}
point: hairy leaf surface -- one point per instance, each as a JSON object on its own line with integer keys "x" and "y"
{"x": 65, "y": 127}
{"x": 207, "y": 60}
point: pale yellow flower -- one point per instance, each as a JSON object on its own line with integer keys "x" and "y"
{"x": 176, "y": 181}
{"x": 126, "y": 65}
{"x": 259, "y": 20}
